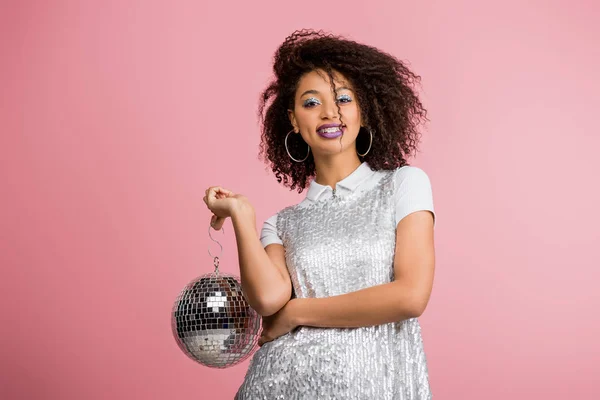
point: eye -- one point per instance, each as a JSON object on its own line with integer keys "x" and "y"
{"x": 311, "y": 102}
{"x": 344, "y": 98}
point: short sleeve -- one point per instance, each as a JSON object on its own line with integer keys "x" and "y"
{"x": 413, "y": 192}
{"x": 268, "y": 234}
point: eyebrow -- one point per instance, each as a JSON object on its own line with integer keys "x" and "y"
{"x": 312, "y": 91}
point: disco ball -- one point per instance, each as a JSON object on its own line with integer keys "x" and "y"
{"x": 212, "y": 322}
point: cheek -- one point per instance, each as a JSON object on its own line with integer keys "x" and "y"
{"x": 352, "y": 113}
{"x": 305, "y": 117}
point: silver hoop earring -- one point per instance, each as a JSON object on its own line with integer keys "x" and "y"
{"x": 286, "y": 148}
{"x": 370, "y": 143}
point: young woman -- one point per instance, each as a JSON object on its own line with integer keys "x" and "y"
{"x": 341, "y": 277}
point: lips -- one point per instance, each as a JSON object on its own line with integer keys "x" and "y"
{"x": 329, "y": 127}
{"x": 330, "y": 131}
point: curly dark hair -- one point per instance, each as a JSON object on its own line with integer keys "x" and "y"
{"x": 383, "y": 85}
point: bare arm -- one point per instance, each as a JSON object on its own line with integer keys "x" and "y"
{"x": 265, "y": 279}
{"x": 405, "y": 297}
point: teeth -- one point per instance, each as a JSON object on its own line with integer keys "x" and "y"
{"x": 335, "y": 129}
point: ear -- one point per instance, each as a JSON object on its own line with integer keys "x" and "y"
{"x": 292, "y": 118}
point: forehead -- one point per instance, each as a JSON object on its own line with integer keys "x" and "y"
{"x": 319, "y": 80}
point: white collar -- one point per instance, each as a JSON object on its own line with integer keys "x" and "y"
{"x": 349, "y": 183}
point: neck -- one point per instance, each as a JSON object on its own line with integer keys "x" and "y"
{"x": 331, "y": 170}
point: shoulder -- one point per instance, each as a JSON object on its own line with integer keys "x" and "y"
{"x": 269, "y": 232}
{"x": 285, "y": 211}
{"x": 412, "y": 191}
{"x": 410, "y": 174}
{"x": 411, "y": 179}
{"x": 272, "y": 220}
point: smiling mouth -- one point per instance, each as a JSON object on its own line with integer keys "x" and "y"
{"x": 331, "y": 131}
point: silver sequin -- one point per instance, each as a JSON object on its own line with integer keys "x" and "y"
{"x": 335, "y": 246}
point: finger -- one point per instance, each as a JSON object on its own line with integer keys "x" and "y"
{"x": 212, "y": 192}
{"x": 218, "y": 224}
{"x": 211, "y": 189}
{"x": 223, "y": 191}
{"x": 211, "y": 195}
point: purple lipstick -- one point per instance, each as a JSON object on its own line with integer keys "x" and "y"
{"x": 330, "y": 131}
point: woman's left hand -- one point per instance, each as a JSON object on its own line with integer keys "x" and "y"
{"x": 280, "y": 323}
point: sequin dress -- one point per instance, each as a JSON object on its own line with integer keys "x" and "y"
{"x": 336, "y": 246}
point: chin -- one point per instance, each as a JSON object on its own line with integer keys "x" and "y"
{"x": 331, "y": 149}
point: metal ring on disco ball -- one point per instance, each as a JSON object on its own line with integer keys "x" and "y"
{"x": 211, "y": 321}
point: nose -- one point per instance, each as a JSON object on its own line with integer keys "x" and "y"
{"x": 329, "y": 110}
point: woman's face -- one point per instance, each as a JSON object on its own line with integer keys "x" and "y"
{"x": 317, "y": 117}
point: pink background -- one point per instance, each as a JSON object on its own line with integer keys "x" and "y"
{"x": 117, "y": 115}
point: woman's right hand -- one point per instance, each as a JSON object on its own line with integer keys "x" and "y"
{"x": 222, "y": 203}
